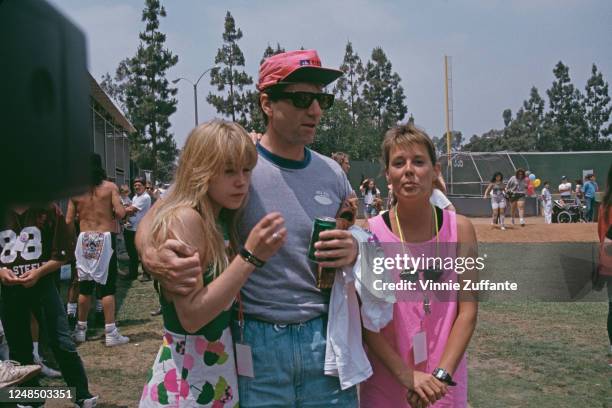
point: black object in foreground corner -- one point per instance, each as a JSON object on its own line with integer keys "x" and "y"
{"x": 44, "y": 104}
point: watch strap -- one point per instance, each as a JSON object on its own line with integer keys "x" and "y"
{"x": 443, "y": 375}
{"x": 250, "y": 258}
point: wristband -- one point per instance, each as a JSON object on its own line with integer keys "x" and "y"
{"x": 250, "y": 258}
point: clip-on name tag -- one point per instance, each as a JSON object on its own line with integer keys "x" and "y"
{"x": 244, "y": 354}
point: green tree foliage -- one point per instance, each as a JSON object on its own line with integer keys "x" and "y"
{"x": 335, "y": 131}
{"x": 598, "y": 109}
{"x": 234, "y": 101}
{"x": 456, "y": 142}
{"x": 566, "y": 127}
{"x": 142, "y": 90}
{"x": 356, "y": 125}
{"x": 256, "y": 122}
{"x": 269, "y": 51}
{"x": 490, "y": 141}
{"x": 573, "y": 122}
{"x": 507, "y": 115}
{"x": 348, "y": 87}
{"x": 531, "y": 118}
{"x": 115, "y": 86}
{"x": 383, "y": 95}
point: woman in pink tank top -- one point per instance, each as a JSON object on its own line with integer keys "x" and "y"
{"x": 420, "y": 354}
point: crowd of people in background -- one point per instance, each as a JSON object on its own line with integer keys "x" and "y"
{"x": 37, "y": 240}
{"x": 228, "y": 247}
{"x": 520, "y": 186}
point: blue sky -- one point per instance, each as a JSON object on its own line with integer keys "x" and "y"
{"x": 499, "y": 48}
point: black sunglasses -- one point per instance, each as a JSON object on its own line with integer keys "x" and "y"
{"x": 303, "y": 100}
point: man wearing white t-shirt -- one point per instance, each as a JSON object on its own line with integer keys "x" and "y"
{"x": 141, "y": 202}
{"x": 565, "y": 189}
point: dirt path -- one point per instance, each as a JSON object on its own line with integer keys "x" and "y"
{"x": 535, "y": 230}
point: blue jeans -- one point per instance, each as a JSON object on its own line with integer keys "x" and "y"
{"x": 590, "y": 206}
{"x": 18, "y": 303}
{"x": 288, "y": 363}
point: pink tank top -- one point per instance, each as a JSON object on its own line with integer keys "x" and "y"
{"x": 382, "y": 389}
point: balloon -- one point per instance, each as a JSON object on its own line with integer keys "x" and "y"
{"x": 532, "y": 177}
{"x": 537, "y": 182}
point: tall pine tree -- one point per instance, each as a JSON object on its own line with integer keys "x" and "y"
{"x": 566, "y": 126}
{"x": 269, "y": 51}
{"x": 382, "y": 93}
{"x": 141, "y": 88}
{"x": 598, "y": 109}
{"x": 234, "y": 101}
{"x": 348, "y": 87}
{"x": 256, "y": 122}
{"x": 115, "y": 86}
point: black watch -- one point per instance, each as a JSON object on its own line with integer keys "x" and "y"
{"x": 250, "y": 258}
{"x": 443, "y": 375}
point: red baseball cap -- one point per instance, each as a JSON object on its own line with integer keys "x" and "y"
{"x": 295, "y": 66}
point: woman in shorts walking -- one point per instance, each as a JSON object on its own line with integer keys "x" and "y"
{"x": 496, "y": 190}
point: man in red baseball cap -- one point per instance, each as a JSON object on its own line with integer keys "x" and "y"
{"x": 294, "y": 67}
{"x": 289, "y": 83}
{"x": 285, "y": 313}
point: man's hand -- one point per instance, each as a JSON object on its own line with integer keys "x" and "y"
{"x": 29, "y": 278}
{"x": 8, "y": 278}
{"x": 175, "y": 265}
{"x": 338, "y": 246}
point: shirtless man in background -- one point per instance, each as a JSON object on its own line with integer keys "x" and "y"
{"x": 96, "y": 259}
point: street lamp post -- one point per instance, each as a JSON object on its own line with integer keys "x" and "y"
{"x": 195, "y": 90}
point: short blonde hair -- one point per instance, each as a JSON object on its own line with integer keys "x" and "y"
{"x": 405, "y": 136}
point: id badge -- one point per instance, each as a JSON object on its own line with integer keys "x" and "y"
{"x": 244, "y": 360}
{"x": 419, "y": 345}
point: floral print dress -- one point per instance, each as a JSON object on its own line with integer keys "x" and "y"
{"x": 193, "y": 370}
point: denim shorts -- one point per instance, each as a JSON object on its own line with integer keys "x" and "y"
{"x": 288, "y": 363}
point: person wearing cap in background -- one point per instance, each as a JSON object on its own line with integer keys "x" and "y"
{"x": 565, "y": 189}
{"x": 285, "y": 313}
{"x": 590, "y": 188}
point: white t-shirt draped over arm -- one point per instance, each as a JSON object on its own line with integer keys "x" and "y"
{"x": 439, "y": 199}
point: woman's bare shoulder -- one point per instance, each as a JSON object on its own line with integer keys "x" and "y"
{"x": 186, "y": 224}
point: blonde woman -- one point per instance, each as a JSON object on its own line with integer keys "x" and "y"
{"x": 195, "y": 366}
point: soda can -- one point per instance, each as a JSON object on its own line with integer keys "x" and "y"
{"x": 320, "y": 224}
{"x": 324, "y": 276}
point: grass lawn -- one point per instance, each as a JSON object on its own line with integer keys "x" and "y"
{"x": 522, "y": 355}
{"x": 540, "y": 355}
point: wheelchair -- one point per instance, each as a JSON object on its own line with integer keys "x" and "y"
{"x": 568, "y": 212}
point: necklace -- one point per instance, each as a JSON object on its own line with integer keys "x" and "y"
{"x": 430, "y": 274}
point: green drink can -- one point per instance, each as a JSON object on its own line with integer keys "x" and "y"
{"x": 320, "y": 224}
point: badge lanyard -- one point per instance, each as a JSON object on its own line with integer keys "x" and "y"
{"x": 426, "y": 301}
